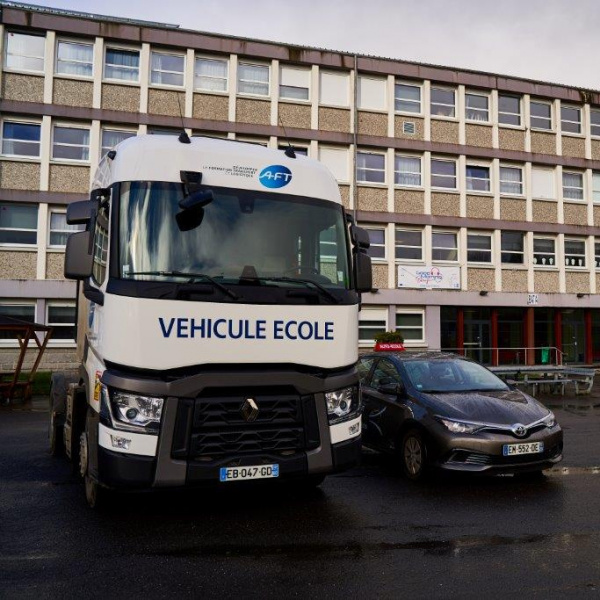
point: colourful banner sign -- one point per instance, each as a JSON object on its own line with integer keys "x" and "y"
{"x": 431, "y": 278}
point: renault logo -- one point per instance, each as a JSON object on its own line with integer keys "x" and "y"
{"x": 249, "y": 410}
{"x": 519, "y": 430}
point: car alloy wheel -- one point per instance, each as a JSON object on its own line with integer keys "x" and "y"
{"x": 413, "y": 454}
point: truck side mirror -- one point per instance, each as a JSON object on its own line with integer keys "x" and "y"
{"x": 78, "y": 255}
{"x": 363, "y": 272}
{"x": 81, "y": 213}
{"x": 360, "y": 237}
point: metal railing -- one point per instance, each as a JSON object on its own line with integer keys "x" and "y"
{"x": 509, "y": 355}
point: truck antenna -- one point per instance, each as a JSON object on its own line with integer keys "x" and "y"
{"x": 289, "y": 151}
{"x": 184, "y": 138}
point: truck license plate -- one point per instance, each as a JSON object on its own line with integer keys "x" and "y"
{"x": 530, "y": 448}
{"x": 250, "y": 472}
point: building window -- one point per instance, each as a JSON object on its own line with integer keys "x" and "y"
{"x": 21, "y": 139}
{"x": 541, "y": 115}
{"x": 370, "y": 168}
{"x": 18, "y": 223}
{"x": 478, "y": 178}
{"x": 70, "y": 143}
{"x": 164, "y": 131}
{"x": 253, "y": 79}
{"x": 377, "y": 238}
{"x": 444, "y": 246}
{"x": 479, "y": 247}
{"x": 407, "y": 171}
{"x": 372, "y": 93}
{"x": 334, "y": 88}
{"x": 407, "y": 98}
{"x": 371, "y": 321}
{"x": 298, "y": 150}
{"x": 123, "y": 65}
{"x": 336, "y": 160}
{"x": 597, "y": 253}
{"x": 443, "y": 173}
{"x": 23, "y": 312}
{"x": 570, "y": 119}
{"x": 443, "y": 102}
{"x": 167, "y": 69}
{"x": 411, "y": 324}
{"x": 512, "y": 246}
{"x": 59, "y": 229}
{"x": 596, "y": 186}
{"x": 595, "y": 122}
{"x": 25, "y": 52}
{"x": 574, "y": 253}
{"x": 477, "y": 107}
{"x": 543, "y": 183}
{"x": 211, "y": 74}
{"x": 100, "y": 245}
{"x": 62, "y": 318}
{"x": 294, "y": 83}
{"x": 572, "y": 186}
{"x": 112, "y": 137}
{"x": 409, "y": 245}
{"x": 544, "y": 252}
{"x": 509, "y": 110}
{"x": 511, "y": 181}
{"x": 75, "y": 58}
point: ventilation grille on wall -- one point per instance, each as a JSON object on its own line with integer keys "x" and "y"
{"x": 408, "y": 127}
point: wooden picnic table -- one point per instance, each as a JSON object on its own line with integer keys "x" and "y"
{"x": 554, "y": 377}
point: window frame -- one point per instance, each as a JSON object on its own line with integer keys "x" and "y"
{"x": 359, "y": 98}
{"x": 487, "y": 110}
{"x": 254, "y": 64}
{"x": 570, "y": 187}
{"x": 501, "y": 181}
{"x": 551, "y": 118}
{"x": 453, "y": 116}
{"x": 122, "y": 48}
{"x": 13, "y": 342}
{"x": 481, "y": 234}
{"x": 411, "y": 311}
{"x": 552, "y": 265}
{"x": 377, "y": 313}
{"x": 366, "y": 182}
{"x": 595, "y": 111}
{"x": 521, "y": 253}
{"x": 420, "y": 246}
{"x": 200, "y": 57}
{"x": 73, "y": 42}
{"x": 62, "y": 125}
{"x": 5, "y": 66}
{"x": 67, "y": 343}
{"x": 35, "y": 158}
{"x": 477, "y": 165}
{"x": 573, "y": 256}
{"x": 398, "y": 172}
{"x": 153, "y": 84}
{"x": 579, "y": 123}
{"x": 419, "y": 86}
{"x": 342, "y": 75}
{"x": 371, "y": 227}
{"x": 348, "y": 168}
{"x": 597, "y": 252}
{"x": 456, "y": 247}
{"x": 24, "y": 229}
{"x": 596, "y": 187}
{"x": 306, "y": 70}
{"x": 431, "y": 173}
{"x": 134, "y": 132}
{"x": 519, "y": 114}
{"x": 75, "y": 229}
{"x": 552, "y": 178}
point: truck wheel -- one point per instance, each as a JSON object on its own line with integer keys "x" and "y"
{"x": 413, "y": 455}
{"x": 55, "y": 433}
{"x": 95, "y": 494}
{"x": 57, "y": 407}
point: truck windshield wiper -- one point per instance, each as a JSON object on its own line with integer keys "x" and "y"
{"x": 318, "y": 286}
{"x": 192, "y": 277}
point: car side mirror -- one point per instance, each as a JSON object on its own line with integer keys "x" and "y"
{"x": 393, "y": 388}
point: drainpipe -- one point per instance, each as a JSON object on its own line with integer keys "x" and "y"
{"x": 355, "y": 137}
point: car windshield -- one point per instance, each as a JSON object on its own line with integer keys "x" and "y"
{"x": 452, "y": 376}
{"x": 244, "y": 235}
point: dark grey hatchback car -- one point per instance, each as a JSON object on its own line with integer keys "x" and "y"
{"x": 443, "y": 410}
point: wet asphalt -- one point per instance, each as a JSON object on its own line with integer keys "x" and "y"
{"x": 366, "y": 533}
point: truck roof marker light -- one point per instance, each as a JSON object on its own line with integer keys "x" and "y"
{"x": 112, "y": 154}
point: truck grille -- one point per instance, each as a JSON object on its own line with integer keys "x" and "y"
{"x": 217, "y": 426}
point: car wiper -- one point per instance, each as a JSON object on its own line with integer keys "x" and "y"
{"x": 318, "y": 286}
{"x": 192, "y": 277}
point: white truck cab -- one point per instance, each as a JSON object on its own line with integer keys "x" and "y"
{"x": 217, "y": 319}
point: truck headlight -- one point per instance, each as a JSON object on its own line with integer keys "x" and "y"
{"x": 136, "y": 410}
{"x": 341, "y": 403}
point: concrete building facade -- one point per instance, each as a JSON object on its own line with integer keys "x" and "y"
{"x": 481, "y": 192}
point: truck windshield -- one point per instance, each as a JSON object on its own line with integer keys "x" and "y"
{"x": 244, "y": 236}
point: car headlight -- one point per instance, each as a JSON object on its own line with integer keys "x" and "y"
{"x": 460, "y": 427}
{"x": 341, "y": 403}
{"x": 549, "y": 420}
{"x": 136, "y": 410}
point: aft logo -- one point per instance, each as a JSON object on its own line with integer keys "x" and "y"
{"x": 275, "y": 176}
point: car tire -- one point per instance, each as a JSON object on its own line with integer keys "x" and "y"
{"x": 413, "y": 455}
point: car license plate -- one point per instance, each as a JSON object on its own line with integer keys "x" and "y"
{"x": 250, "y": 472}
{"x": 515, "y": 449}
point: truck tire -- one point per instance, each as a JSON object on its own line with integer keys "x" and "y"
{"x": 57, "y": 408}
{"x": 96, "y": 496}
